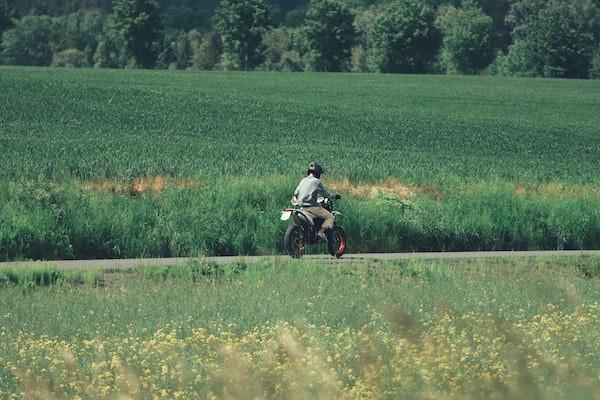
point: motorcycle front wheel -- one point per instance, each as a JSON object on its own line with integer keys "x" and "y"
{"x": 294, "y": 241}
{"x": 336, "y": 241}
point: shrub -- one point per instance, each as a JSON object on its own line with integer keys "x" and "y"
{"x": 70, "y": 58}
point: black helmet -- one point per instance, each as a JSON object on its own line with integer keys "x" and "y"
{"x": 315, "y": 169}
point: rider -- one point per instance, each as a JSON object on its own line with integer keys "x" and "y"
{"x": 308, "y": 191}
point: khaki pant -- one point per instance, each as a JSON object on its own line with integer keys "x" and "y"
{"x": 321, "y": 213}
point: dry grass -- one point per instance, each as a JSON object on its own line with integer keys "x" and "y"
{"x": 557, "y": 189}
{"x": 141, "y": 186}
{"x": 372, "y": 190}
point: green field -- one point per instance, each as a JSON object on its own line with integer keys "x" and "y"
{"x": 103, "y": 163}
{"x": 498, "y": 329}
{"x": 93, "y": 124}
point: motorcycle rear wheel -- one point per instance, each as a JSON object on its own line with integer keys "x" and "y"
{"x": 336, "y": 241}
{"x": 294, "y": 241}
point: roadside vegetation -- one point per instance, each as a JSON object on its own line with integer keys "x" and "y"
{"x": 517, "y": 328}
{"x": 233, "y": 216}
{"x": 141, "y": 163}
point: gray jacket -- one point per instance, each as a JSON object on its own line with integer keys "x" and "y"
{"x": 309, "y": 190}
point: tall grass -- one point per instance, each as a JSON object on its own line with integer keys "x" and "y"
{"x": 47, "y": 275}
{"x": 240, "y": 216}
{"x": 504, "y": 329}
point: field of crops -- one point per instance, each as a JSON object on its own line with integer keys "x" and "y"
{"x": 101, "y": 163}
{"x": 93, "y": 124}
{"x": 518, "y": 329}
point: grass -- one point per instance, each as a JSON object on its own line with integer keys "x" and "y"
{"x": 101, "y": 124}
{"x": 152, "y": 163}
{"x": 513, "y": 328}
{"x": 43, "y": 220}
{"x": 490, "y": 163}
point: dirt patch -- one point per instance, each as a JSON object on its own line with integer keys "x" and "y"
{"x": 140, "y": 186}
{"x": 372, "y": 190}
{"x": 556, "y": 190}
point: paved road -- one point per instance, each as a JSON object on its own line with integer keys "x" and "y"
{"x": 128, "y": 263}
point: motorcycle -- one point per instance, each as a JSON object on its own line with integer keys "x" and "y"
{"x": 304, "y": 231}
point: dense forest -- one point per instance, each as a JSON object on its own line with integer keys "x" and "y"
{"x": 550, "y": 38}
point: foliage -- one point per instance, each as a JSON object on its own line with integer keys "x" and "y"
{"x": 516, "y": 62}
{"x": 595, "y": 71}
{"x": 330, "y": 35}
{"x": 176, "y": 51}
{"x": 70, "y": 58}
{"x": 295, "y": 18}
{"x": 281, "y": 50}
{"x": 557, "y": 41}
{"x": 479, "y": 172}
{"x": 28, "y": 43}
{"x": 409, "y": 329}
{"x": 206, "y": 50}
{"x": 5, "y": 18}
{"x": 108, "y": 54}
{"x": 522, "y": 13}
{"x": 364, "y": 22}
{"x": 41, "y": 274}
{"x": 498, "y": 10}
{"x": 242, "y": 25}
{"x": 81, "y": 31}
{"x": 468, "y": 39}
{"x": 520, "y": 29}
{"x": 184, "y": 18}
{"x": 229, "y": 217}
{"x": 56, "y": 8}
{"x": 135, "y": 29}
{"x": 405, "y": 38}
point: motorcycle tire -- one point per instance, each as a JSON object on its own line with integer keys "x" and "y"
{"x": 294, "y": 241}
{"x": 336, "y": 241}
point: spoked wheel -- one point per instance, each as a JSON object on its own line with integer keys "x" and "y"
{"x": 294, "y": 241}
{"x": 336, "y": 241}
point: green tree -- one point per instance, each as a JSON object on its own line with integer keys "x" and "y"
{"x": 206, "y": 50}
{"x": 135, "y": 28}
{"x": 522, "y": 13}
{"x": 81, "y": 30}
{"x": 498, "y": 11}
{"x": 176, "y": 51}
{"x": 108, "y": 55}
{"x": 242, "y": 25}
{"x": 5, "y": 23}
{"x": 5, "y": 18}
{"x": 595, "y": 70}
{"x": 468, "y": 38}
{"x": 558, "y": 40}
{"x": 405, "y": 38}
{"x": 281, "y": 51}
{"x": 330, "y": 34}
{"x": 364, "y": 23}
{"x": 28, "y": 43}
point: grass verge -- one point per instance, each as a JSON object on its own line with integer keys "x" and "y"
{"x": 518, "y": 328}
{"x": 235, "y": 216}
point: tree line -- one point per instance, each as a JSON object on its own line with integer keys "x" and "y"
{"x": 548, "y": 38}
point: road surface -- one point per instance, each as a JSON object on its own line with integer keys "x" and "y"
{"x": 119, "y": 264}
